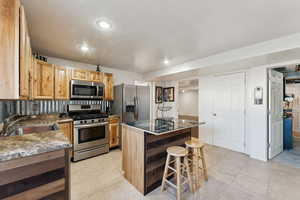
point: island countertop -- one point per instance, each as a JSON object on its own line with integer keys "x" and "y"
{"x": 13, "y": 147}
{"x": 162, "y": 126}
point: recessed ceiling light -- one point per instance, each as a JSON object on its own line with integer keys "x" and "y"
{"x": 182, "y": 91}
{"x": 166, "y": 61}
{"x": 104, "y": 25}
{"x": 84, "y": 48}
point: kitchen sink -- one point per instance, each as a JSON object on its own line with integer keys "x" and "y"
{"x": 31, "y": 129}
{"x": 27, "y": 125}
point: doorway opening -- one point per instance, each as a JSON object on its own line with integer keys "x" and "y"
{"x": 188, "y": 102}
{"x": 290, "y": 114}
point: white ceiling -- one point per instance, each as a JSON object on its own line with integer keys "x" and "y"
{"x": 146, "y": 32}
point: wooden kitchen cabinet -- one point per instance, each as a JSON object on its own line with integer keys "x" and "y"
{"x": 114, "y": 128}
{"x": 61, "y": 85}
{"x": 96, "y": 76}
{"x": 43, "y": 80}
{"x": 109, "y": 86}
{"x": 24, "y": 57}
{"x": 67, "y": 128}
{"x": 80, "y": 74}
{"x": 9, "y": 49}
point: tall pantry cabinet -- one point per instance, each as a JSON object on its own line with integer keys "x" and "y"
{"x": 16, "y": 60}
{"x": 9, "y": 49}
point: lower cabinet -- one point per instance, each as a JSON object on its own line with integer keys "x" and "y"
{"x": 114, "y": 128}
{"x": 67, "y": 128}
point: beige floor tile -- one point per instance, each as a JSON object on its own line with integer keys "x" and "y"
{"x": 251, "y": 185}
{"x": 235, "y": 193}
{"x": 231, "y": 176}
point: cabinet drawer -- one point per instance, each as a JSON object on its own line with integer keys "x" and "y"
{"x": 114, "y": 120}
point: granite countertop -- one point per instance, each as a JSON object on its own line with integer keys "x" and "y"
{"x": 161, "y": 126}
{"x": 43, "y": 120}
{"x": 12, "y": 147}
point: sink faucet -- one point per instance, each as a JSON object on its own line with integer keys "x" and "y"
{"x": 9, "y": 122}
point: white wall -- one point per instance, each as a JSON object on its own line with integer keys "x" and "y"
{"x": 188, "y": 103}
{"x": 256, "y": 115}
{"x": 174, "y": 111}
{"x": 120, "y": 76}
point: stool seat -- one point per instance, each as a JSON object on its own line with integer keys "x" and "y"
{"x": 194, "y": 143}
{"x": 176, "y": 151}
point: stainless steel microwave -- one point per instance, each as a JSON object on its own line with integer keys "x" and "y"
{"x": 86, "y": 90}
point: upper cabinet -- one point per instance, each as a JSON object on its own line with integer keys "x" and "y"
{"x": 109, "y": 86}
{"x": 43, "y": 80}
{"x": 9, "y": 49}
{"x": 62, "y": 79}
{"x": 96, "y": 76}
{"x": 25, "y": 66}
{"x": 80, "y": 74}
{"x": 22, "y": 76}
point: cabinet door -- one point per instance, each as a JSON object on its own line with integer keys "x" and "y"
{"x": 114, "y": 135}
{"x": 9, "y": 49}
{"x": 62, "y": 78}
{"x": 24, "y": 56}
{"x": 80, "y": 74}
{"x": 109, "y": 86}
{"x": 67, "y": 129}
{"x": 43, "y": 84}
{"x": 96, "y": 76}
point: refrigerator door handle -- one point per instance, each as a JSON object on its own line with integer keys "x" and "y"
{"x": 137, "y": 108}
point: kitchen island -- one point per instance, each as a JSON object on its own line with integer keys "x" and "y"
{"x": 144, "y": 145}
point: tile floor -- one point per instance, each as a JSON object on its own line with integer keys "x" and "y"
{"x": 290, "y": 157}
{"x": 232, "y": 176}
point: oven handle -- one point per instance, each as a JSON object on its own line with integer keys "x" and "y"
{"x": 91, "y": 125}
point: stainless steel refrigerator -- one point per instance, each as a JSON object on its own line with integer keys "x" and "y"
{"x": 131, "y": 102}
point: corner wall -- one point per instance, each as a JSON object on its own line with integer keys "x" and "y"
{"x": 188, "y": 103}
{"x": 154, "y": 107}
{"x": 257, "y": 115}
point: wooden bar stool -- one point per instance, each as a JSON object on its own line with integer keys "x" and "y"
{"x": 195, "y": 154}
{"x": 180, "y": 169}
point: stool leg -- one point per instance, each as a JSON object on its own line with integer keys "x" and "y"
{"x": 188, "y": 171}
{"x": 178, "y": 178}
{"x": 203, "y": 164}
{"x": 198, "y": 175}
{"x": 163, "y": 185}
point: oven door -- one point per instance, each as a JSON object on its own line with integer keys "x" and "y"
{"x": 84, "y": 90}
{"x": 90, "y": 135}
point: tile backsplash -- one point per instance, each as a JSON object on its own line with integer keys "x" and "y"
{"x": 37, "y": 107}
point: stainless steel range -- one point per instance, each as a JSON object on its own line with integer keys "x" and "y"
{"x": 91, "y": 134}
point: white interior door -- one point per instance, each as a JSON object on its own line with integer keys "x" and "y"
{"x": 275, "y": 113}
{"x": 206, "y": 95}
{"x": 229, "y": 112}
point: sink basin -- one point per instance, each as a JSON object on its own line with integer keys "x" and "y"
{"x": 31, "y": 129}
